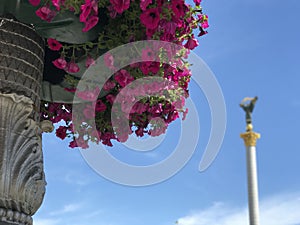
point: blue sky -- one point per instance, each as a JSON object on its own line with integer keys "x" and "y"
{"x": 253, "y": 49}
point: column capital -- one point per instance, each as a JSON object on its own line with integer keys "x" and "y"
{"x": 250, "y": 138}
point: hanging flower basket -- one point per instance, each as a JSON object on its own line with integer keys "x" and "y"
{"x": 77, "y": 32}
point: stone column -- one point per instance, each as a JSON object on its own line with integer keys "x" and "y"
{"x": 22, "y": 180}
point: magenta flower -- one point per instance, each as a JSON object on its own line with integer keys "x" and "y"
{"x": 100, "y": 106}
{"x": 197, "y": 2}
{"x": 109, "y": 85}
{"x": 45, "y": 13}
{"x": 53, "y": 44}
{"x": 57, "y": 4}
{"x": 90, "y": 23}
{"x": 120, "y": 5}
{"x": 150, "y": 18}
{"x": 144, "y": 4}
{"x": 123, "y": 77}
{"x": 35, "y": 2}
{"x": 178, "y": 8}
{"x": 110, "y": 98}
{"x": 90, "y": 8}
{"x": 60, "y": 63}
{"x": 89, "y": 62}
{"x": 191, "y": 43}
{"x": 72, "y": 67}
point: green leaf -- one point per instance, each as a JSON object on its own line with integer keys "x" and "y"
{"x": 65, "y": 27}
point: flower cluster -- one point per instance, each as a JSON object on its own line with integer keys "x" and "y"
{"x": 150, "y": 106}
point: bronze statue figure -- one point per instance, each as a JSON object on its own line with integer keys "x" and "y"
{"x": 248, "y": 108}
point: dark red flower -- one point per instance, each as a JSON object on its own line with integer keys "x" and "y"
{"x": 61, "y": 132}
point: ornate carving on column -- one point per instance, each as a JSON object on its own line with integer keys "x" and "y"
{"x": 22, "y": 180}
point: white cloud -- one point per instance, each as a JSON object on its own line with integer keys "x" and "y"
{"x": 46, "y": 222}
{"x": 277, "y": 210}
{"x": 67, "y": 209}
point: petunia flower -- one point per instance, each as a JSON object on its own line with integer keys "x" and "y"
{"x": 144, "y": 4}
{"x": 45, "y": 13}
{"x": 60, "y": 63}
{"x": 120, "y": 5}
{"x": 72, "y": 67}
{"x": 100, "y": 106}
{"x": 61, "y": 132}
{"x": 123, "y": 77}
{"x": 53, "y": 44}
{"x": 89, "y": 62}
{"x": 191, "y": 43}
{"x": 150, "y": 18}
{"x": 90, "y": 23}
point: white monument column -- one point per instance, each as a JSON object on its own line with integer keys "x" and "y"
{"x": 250, "y": 138}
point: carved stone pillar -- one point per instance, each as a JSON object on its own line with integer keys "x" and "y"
{"x": 22, "y": 181}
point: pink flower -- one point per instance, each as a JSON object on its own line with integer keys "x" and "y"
{"x": 197, "y": 2}
{"x": 191, "y": 43}
{"x": 89, "y": 62}
{"x": 144, "y": 4}
{"x": 150, "y": 18}
{"x": 123, "y": 77}
{"x": 90, "y": 8}
{"x": 120, "y": 5}
{"x": 35, "y": 2}
{"x": 109, "y": 85}
{"x": 60, "y": 63}
{"x": 72, "y": 67}
{"x": 110, "y": 98}
{"x": 178, "y": 8}
{"x": 90, "y": 23}
{"x": 204, "y": 21}
{"x": 109, "y": 61}
{"x": 100, "y": 106}
{"x": 61, "y": 132}
{"x": 57, "y": 4}
{"x": 89, "y": 95}
{"x": 53, "y": 44}
{"x": 148, "y": 67}
{"x": 45, "y": 13}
